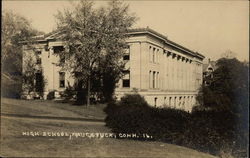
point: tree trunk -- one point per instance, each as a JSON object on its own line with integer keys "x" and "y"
{"x": 88, "y": 92}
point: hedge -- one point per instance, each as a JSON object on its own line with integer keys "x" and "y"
{"x": 206, "y": 131}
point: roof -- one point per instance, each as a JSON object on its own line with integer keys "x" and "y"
{"x": 209, "y": 64}
{"x": 165, "y": 39}
{"x": 54, "y": 35}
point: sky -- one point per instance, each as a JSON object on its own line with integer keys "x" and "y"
{"x": 208, "y": 27}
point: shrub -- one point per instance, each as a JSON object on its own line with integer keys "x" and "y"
{"x": 133, "y": 100}
{"x": 128, "y": 115}
{"x": 133, "y": 115}
{"x": 68, "y": 94}
{"x": 207, "y": 131}
{"x": 51, "y": 95}
{"x": 169, "y": 124}
{"x": 12, "y": 90}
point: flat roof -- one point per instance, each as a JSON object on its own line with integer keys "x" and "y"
{"x": 165, "y": 39}
{"x": 53, "y": 35}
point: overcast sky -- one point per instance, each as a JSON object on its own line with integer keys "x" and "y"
{"x": 209, "y": 27}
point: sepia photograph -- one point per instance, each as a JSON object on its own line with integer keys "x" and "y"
{"x": 123, "y": 78}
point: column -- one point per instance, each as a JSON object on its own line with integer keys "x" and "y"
{"x": 188, "y": 65}
{"x": 157, "y": 81}
{"x": 190, "y": 75}
{"x": 186, "y": 74}
{"x": 182, "y": 74}
{"x": 179, "y": 74}
{"x": 166, "y": 72}
{"x": 173, "y": 72}
{"x": 176, "y": 73}
{"x": 170, "y": 82}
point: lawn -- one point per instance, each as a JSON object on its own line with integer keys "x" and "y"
{"x": 51, "y": 108}
{"x": 15, "y": 143}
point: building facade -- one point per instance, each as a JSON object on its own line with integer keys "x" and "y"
{"x": 164, "y": 72}
{"x": 208, "y": 70}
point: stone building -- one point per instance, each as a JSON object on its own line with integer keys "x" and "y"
{"x": 164, "y": 72}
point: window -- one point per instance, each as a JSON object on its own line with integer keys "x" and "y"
{"x": 62, "y": 59}
{"x": 153, "y": 79}
{"x": 125, "y": 83}
{"x": 127, "y": 52}
{"x": 150, "y": 79}
{"x": 170, "y": 99}
{"x": 175, "y": 99}
{"x": 61, "y": 79}
{"x": 126, "y": 79}
{"x": 153, "y": 55}
{"x": 126, "y": 57}
{"x": 46, "y": 47}
{"x": 180, "y": 102}
{"x": 38, "y": 82}
{"x": 155, "y": 102}
{"x": 158, "y": 56}
{"x": 38, "y": 52}
{"x": 38, "y": 60}
{"x": 158, "y": 81}
{"x": 59, "y": 50}
{"x": 127, "y": 49}
{"x": 150, "y": 57}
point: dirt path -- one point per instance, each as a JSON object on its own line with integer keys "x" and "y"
{"x": 4, "y": 115}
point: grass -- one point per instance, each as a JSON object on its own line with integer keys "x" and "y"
{"x": 51, "y": 108}
{"x": 14, "y": 144}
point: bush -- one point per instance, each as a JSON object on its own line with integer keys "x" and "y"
{"x": 133, "y": 100}
{"x": 12, "y": 90}
{"x": 209, "y": 131}
{"x": 124, "y": 116}
{"x": 68, "y": 94}
{"x": 51, "y": 95}
{"x": 206, "y": 131}
{"x": 133, "y": 115}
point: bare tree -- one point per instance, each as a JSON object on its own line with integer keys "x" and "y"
{"x": 15, "y": 28}
{"x": 228, "y": 54}
{"x": 90, "y": 35}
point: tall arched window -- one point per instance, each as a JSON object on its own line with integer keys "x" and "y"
{"x": 154, "y": 79}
